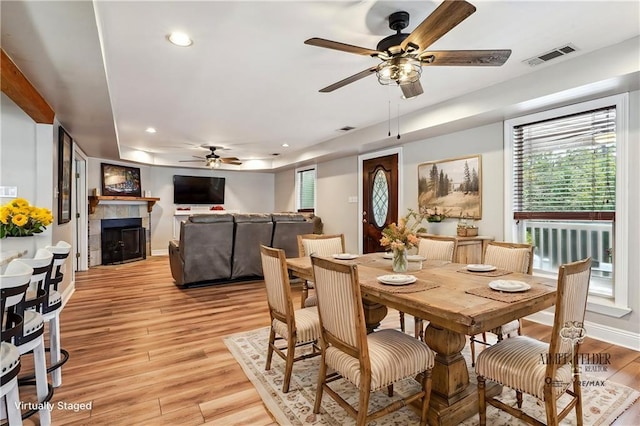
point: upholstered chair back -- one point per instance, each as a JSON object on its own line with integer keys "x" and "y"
{"x": 321, "y": 245}
{"x": 276, "y": 279}
{"x": 440, "y": 248}
{"x": 286, "y": 228}
{"x": 340, "y": 304}
{"x": 251, "y": 231}
{"x": 571, "y": 303}
{"x": 514, "y": 257}
{"x": 14, "y": 283}
{"x": 41, "y": 263}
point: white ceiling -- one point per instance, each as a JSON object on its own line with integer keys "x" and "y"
{"x": 249, "y": 84}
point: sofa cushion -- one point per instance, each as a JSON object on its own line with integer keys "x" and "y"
{"x": 288, "y": 217}
{"x": 211, "y": 218}
{"x": 251, "y": 217}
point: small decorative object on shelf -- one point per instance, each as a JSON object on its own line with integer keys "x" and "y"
{"x": 435, "y": 216}
{"x": 466, "y": 228}
{"x": 20, "y": 219}
{"x": 402, "y": 237}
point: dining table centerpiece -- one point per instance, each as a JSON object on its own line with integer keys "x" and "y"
{"x": 18, "y": 218}
{"x": 401, "y": 237}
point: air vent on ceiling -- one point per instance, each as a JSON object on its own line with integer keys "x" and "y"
{"x": 346, "y": 128}
{"x": 551, "y": 54}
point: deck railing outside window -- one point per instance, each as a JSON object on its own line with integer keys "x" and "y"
{"x": 558, "y": 242}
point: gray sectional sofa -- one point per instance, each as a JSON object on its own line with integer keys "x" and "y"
{"x": 219, "y": 248}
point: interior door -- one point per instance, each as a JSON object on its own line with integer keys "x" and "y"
{"x": 379, "y": 199}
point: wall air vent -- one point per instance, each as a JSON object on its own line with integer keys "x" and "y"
{"x": 551, "y": 54}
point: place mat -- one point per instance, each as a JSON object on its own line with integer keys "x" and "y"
{"x": 496, "y": 273}
{"x": 419, "y": 285}
{"x": 506, "y": 297}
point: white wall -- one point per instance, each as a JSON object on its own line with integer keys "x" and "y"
{"x": 246, "y": 192}
{"x": 27, "y": 147}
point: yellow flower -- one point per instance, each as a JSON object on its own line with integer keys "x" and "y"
{"x": 19, "y": 218}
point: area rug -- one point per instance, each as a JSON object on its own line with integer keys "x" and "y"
{"x": 603, "y": 401}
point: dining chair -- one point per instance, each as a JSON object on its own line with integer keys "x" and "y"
{"x": 29, "y": 336}
{"x": 432, "y": 247}
{"x": 298, "y": 327}
{"x": 322, "y": 245}
{"x": 371, "y": 362}
{"x": 513, "y": 257}
{"x": 543, "y": 370}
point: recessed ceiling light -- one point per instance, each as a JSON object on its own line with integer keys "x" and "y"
{"x": 180, "y": 39}
{"x": 286, "y": 145}
{"x": 150, "y": 130}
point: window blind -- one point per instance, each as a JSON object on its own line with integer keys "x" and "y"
{"x": 565, "y": 168}
{"x": 306, "y": 188}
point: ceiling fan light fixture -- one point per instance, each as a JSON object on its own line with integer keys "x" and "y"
{"x": 399, "y": 70}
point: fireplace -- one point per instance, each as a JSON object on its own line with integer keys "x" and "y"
{"x": 123, "y": 240}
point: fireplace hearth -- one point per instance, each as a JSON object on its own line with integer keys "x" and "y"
{"x": 123, "y": 240}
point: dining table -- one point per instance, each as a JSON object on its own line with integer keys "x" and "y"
{"x": 457, "y": 302}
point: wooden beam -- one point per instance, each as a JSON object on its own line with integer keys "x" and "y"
{"x": 16, "y": 86}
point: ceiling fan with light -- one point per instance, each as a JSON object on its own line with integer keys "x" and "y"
{"x": 403, "y": 55}
{"x": 213, "y": 160}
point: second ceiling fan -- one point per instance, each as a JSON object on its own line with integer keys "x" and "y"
{"x": 213, "y": 160}
{"x": 403, "y": 55}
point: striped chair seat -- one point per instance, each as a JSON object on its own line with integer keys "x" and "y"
{"x": 311, "y": 301}
{"x": 33, "y": 321}
{"x": 307, "y": 325}
{"x": 518, "y": 363}
{"x": 394, "y": 356}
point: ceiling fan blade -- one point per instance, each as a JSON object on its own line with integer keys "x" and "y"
{"x": 235, "y": 163}
{"x": 230, "y": 159}
{"x": 321, "y": 42}
{"x": 411, "y": 90}
{"x": 465, "y": 57}
{"x": 348, "y": 80}
{"x": 446, "y": 16}
{"x": 190, "y": 161}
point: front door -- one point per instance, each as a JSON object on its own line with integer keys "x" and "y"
{"x": 379, "y": 199}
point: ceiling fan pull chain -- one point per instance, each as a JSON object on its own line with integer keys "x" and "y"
{"x": 389, "y": 121}
{"x": 398, "y": 137}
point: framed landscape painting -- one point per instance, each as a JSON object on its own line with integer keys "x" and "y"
{"x": 451, "y": 187}
{"x": 121, "y": 181}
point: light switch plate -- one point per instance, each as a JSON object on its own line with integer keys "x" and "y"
{"x": 8, "y": 191}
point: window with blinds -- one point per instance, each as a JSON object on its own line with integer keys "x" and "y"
{"x": 306, "y": 189}
{"x": 565, "y": 168}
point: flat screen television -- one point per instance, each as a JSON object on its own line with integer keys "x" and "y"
{"x": 198, "y": 190}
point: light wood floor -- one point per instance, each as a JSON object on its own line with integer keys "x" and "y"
{"x": 147, "y": 353}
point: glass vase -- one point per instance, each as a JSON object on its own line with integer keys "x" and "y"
{"x": 399, "y": 261}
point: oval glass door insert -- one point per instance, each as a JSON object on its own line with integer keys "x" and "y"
{"x": 380, "y": 198}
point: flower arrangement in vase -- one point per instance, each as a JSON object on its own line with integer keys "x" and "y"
{"x": 18, "y": 218}
{"x": 402, "y": 237}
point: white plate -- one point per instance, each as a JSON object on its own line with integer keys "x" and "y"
{"x": 397, "y": 279}
{"x": 509, "y": 286}
{"x": 345, "y": 256}
{"x": 480, "y": 268}
{"x": 388, "y": 255}
{"x": 415, "y": 258}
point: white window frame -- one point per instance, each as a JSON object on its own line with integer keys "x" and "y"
{"x": 315, "y": 190}
{"x": 619, "y": 306}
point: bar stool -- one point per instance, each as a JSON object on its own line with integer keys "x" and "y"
{"x": 29, "y": 336}
{"x": 9, "y": 354}
{"x": 52, "y": 309}
{"x": 50, "y": 306}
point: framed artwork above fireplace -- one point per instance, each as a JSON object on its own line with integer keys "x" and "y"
{"x": 121, "y": 181}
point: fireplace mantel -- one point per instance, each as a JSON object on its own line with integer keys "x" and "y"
{"x": 94, "y": 200}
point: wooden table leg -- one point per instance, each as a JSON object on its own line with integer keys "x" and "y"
{"x": 374, "y": 313}
{"x": 454, "y": 396}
